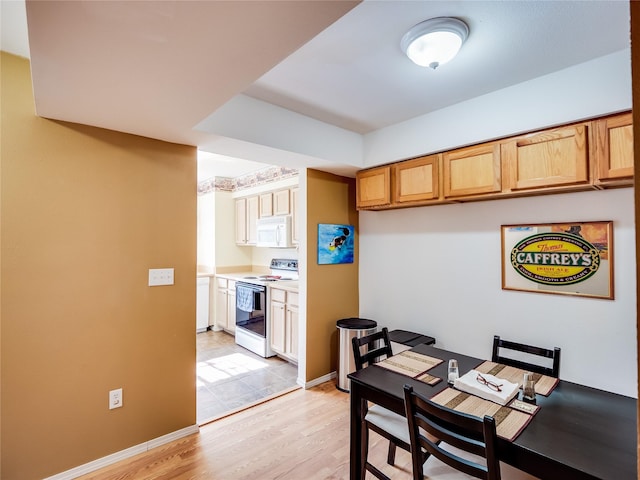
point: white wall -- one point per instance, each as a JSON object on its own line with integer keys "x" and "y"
{"x": 437, "y": 270}
{"x": 262, "y": 256}
{"x": 206, "y": 233}
{"x": 587, "y": 90}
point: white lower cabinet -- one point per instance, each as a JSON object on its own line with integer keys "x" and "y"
{"x": 283, "y": 311}
{"x": 225, "y": 305}
{"x": 202, "y": 304}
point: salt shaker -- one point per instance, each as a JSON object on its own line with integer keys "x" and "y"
{"x": 453, "y": 371}
{"x": 528, "y": 388}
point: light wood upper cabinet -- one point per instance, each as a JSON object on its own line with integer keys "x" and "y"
{"x": 586, "y": 155}
{"x": 614, "y": 149}
{"x": 373, "y": 187}
{"x": 281, "y": 204}
{"x": 547, "y": 159}
{"x": 472, "y": 170}
{"x": 416, "y": 180}
{"x": 266, "y": 204}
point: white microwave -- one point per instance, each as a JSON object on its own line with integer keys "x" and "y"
{"x": 274, "y": 232}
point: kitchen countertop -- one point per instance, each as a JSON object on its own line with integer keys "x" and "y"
{"x": 240, "y": 276}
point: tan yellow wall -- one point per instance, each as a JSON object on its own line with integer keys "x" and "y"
{"x": 635, "y": 81}
{"x": 332, "y": 290}
{"x": 85, "y": 213}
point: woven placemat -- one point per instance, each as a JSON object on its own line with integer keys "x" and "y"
{"x": 544, "y": 384}
{"x": 412, "y": 364}
{"x": 428, "y": 378}
{"x": 509, "y": 421}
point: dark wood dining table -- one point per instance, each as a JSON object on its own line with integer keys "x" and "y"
{"x": 579, "y": 432}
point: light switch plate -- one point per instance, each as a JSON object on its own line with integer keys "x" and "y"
{"x": 160, "y": 276}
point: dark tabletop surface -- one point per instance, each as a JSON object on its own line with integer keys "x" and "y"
{"x": 579, "y": 432}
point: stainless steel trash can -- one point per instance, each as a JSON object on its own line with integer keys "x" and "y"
{"x": 349, "y": 328}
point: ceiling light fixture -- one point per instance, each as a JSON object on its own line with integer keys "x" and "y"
{"x": 434, "y": 42}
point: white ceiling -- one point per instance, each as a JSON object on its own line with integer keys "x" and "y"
{"x": 161, "y": 68}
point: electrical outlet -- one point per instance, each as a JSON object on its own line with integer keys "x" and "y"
{"x": 115, "y": 399}
{"x": 160, "y": 276}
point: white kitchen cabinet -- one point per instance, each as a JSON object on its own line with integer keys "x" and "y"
{"x": 266, "y": 205}
{"x": 277, "y": 319}
{"x": 246, "y": 216}
{"x": 283, "y": 311}
{"x": 202, "y": 304}
{"x": 241, "y": 221}
{"x": 225, "y": 305}
{"x": 291, "y": 326}
{"x": 281, "y": 202}
{"x": 252, "y": 217}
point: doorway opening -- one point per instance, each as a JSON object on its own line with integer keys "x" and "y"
{"x": 230, "y": 378}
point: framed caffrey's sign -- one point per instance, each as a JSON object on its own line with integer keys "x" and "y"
{"x": 573, "y": 258}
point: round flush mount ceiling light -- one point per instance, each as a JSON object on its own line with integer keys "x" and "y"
{"x": 434, "y": 42}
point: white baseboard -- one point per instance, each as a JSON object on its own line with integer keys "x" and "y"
{"x": 318, "y": 381}
{"x": 123, "y": 454}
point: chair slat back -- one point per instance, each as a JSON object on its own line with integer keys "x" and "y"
{"x": 553, "y": 371}
{"x": 466, "y": 432}
{"x": 377, "y": 346}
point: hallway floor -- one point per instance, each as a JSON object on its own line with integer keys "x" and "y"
{"x": 230, "y": 377}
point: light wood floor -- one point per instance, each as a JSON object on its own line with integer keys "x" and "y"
{"x": 299, "y": 436}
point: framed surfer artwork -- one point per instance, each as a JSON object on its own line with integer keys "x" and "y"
{"x": 335, "y": 243}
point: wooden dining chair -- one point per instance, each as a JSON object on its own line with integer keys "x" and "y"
{"x": 366, "y": 351}
{"x": 466, "y": 433}
{"x": 498, "y": 357}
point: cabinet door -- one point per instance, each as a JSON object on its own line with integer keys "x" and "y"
{"x": 614, "y": 148}
{"x": 472, "y": 170}
{"x": 221, "y": 320}
{"x": 548, "y": 159}
{"x": 241, "y": 221}
{"x": 416, "y": 180}
{"x": 277, "y": 311}
{"x": 292, "y": 325}
{"x": 281, "y": 202}
{"x": 373, "y": 187}
{"x": 252, "y": 217}
{"x": 266, "y": 204}
{"x": 231, "y": 308}
{"x": 294, "y": 215}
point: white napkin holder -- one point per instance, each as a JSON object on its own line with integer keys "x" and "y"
{"x": 468, "y": 383}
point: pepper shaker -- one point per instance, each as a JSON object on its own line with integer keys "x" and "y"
{"x": 528, "y": 388}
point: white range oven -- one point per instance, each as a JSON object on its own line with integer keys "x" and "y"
{"x": 252, "y": 306}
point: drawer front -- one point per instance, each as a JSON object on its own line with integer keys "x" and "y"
{"x": 221, "y": 282}
{"x": 292, "y": 298}
{"x": 278, "y": 295}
